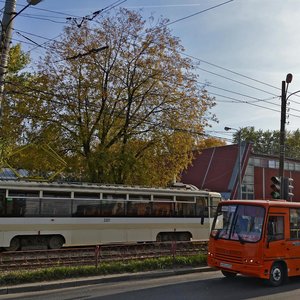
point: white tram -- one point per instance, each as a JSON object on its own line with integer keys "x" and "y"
{"x": 51, "y": 215}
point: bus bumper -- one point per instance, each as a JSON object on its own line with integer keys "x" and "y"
{"x": 249, "y": 268}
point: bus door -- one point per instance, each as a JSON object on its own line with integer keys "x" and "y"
{"x": 293, "y": 243}
{"x": 276, "y": 235}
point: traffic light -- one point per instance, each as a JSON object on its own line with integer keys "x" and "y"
{"x": 288, "y": 188}
{"x": 276, "y": 187}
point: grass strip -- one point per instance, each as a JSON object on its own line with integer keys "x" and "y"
{"x": 104, "y": 268}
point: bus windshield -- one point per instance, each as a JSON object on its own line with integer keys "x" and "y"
{"x": 238, "y": 222}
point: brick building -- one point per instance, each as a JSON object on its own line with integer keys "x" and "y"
{"x": 217, "y": 169}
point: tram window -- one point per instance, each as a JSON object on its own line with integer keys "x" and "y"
{"x": 139, "y": 197}
{"x": 55, "y": 194}
{"x": 15, "y": 207}
{"x": 162, "y": 209}
{"x": 118, "y": 209}
{"x": 107, "y": 208}
{"x": 185, "y": 198}
{"x": 213, "y": 206}
{"x": 55, "y": 207}
{"x": 200, "y": 207}
{"x": 2, "y": 203}
{"x": 163, "y": 198}
{"x": 79, "y": 195}
{"x": 86, "y": 208}
{"x": 114, "y": 196}
{"x": 185, "y": 209}
{"x": 23, "y": 193}
{"x": 32, "y": 208}
{"x": 138, "y": 209}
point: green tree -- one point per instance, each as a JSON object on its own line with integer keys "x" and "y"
{"x": 268, "y": 142}
{"x": 119, "y": 101}
{"x": 12, "y": 116}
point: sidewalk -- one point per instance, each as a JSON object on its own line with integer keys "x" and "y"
{"x": 75, "y": 282}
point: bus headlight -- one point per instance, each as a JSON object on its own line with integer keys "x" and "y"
{"x": 251, "y": 261}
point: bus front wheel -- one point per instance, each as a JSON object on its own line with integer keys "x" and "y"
{"x": 228, "y": 274}
{"x": 277, "y": 274}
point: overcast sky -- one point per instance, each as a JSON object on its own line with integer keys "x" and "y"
{"x": 245, "y": 49}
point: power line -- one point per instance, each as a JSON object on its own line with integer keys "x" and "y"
{"x": 197, "y": 13}
{"x": 30, "y": 40}
{"x": 238, "y": 93}
{"x": 203, "y": 61}
{"x": 43, "y": 9}
{"x": 236, "y": 81}
{"x": 250, "y": 103}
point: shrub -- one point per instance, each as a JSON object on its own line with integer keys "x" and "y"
{"x": 57, "y": 273}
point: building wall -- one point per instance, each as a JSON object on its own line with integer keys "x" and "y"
{"x": 216, "y": 168}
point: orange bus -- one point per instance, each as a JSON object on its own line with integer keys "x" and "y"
{"x": 257, "y": 238}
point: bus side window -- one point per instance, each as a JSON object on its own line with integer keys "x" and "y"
{"x": 295, "y": 223}
{"x": 275, "y": 228}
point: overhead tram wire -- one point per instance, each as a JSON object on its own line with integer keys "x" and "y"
{"x": 250, "y": 103}
{"x": 235, "y": 100}
{"x": 32, "y": 34}
{"x": 47, "y": 10}
{"x": 201, "y": 59}
{"x": 209, "y": 85}
{"x": 44, "y": 19}
{"x": 35, "y": 44}
{"x": 240, "y": 94}
{"x": 30, "y": 40}
{"x": 199, "y": 12}
{"x": 212, "y": 64}
{"x": 96, "y": 108}
{"x": 38, "y": 45}
{"x": 116, "y": 3}
{"x": 107, "y": 8}
{"x": 237, "y": 81}
{"x": 215, "y": 65}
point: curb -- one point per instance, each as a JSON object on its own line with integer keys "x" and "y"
{"x": 42, "y": 286}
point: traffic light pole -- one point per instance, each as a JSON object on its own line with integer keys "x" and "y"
{"x": 284, "y": 88}
{"x": 282, "y": 136}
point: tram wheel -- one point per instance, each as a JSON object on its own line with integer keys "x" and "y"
{"x": 56, "y": 242}
{"x": 15, "y": 244}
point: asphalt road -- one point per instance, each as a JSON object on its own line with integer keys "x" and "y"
{"x": 205, "y": 285}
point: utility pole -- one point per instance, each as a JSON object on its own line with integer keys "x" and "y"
{"x": 6, "y": 33}
{"x": 9, "y": 15}
{"x": 284, "y": 87}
